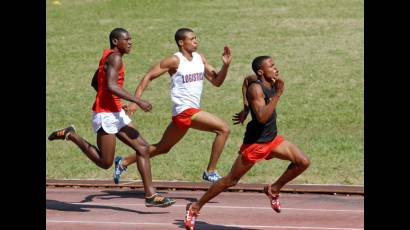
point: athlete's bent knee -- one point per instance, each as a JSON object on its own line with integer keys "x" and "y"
{"x": 143, "y": 151}
{"x": 233, "y": 182}
{"x": 303, "y": 162}
{"x": 106, "y": 165}
{"x": 161, "y": 148}
{"x": 164, "y": 150}
{"x": 224, "y": 130}
{"x": 229, "y": 181}
{"x": 158, "y": 149}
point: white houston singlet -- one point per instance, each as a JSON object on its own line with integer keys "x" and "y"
{"x": 186, "y": 83}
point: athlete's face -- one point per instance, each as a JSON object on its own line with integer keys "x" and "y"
{"x": 190, "y": 42}
{"x": 268, "y": 70}
{"x": 124, "y": 43}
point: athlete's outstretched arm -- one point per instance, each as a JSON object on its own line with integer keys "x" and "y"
{"x": 217, "y": 78}
{"x": 157, "y": 70}
{"x": 166, "y": 65}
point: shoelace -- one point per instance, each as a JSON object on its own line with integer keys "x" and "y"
{"x": 119, "y": 170}
{"x": 190, "y": 216}
{"x": 158, "y": 198}
{"x": 61, "y": 133}
{"x": 213, "y": 177}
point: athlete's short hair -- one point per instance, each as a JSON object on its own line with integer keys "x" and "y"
{"x": 180, "y": 34}
{"x": 116, "y": 33}
{"x": 257, "y": 63}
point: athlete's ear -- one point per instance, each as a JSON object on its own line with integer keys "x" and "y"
{"x": 114, "y": 41}
{"x": 260, "y": 72}
{"x": 180, "y": 42}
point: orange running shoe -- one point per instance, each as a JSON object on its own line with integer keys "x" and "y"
{"x": 274, "y": 199}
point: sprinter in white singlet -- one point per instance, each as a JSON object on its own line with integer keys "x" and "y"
{"x": 187, "y": 82}
{"x": 187, "y": 69}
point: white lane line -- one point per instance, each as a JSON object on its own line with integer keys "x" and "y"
{"x": 104, "y": 222}
{"x": 164, "y": 224}
{"x": 289, "y": 227}
{"x": 228, "y": 207}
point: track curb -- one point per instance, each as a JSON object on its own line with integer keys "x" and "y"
{"x": 186, "y": 185}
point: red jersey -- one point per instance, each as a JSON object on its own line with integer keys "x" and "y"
{"x": 105, "y": 100}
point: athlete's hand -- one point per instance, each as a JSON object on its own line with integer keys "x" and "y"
{"x": 145, "y": 105}
{"x": 226, "y": 55}
{"x": 276, "y": 76}
{"x": 130, "y": 108}
{"x": 240, "y": 117}
{"x": 279, "y": 86}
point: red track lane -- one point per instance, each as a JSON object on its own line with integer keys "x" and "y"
{"x": 111, "y": 208}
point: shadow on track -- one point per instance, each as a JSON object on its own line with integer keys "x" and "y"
{"x": 201, "y": 225}
{"x": 69, "y": 207}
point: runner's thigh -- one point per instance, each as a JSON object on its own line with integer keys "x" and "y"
{"x": 240, "y": 167}
{"x": 172, "y": 135}
{"x": 207, "y": 122}
{"x": 131, "y": 137}
{"x": 106, "y": 144}
{"x": 287, "y": 151}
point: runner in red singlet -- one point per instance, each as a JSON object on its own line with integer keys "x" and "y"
{"x": 110, "y": 121}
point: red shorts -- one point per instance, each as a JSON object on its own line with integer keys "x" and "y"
{"x": 183, "y": 120}
{"x": 259, "y": 151}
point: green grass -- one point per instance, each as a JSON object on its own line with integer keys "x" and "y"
{"x": 318, "y": 47}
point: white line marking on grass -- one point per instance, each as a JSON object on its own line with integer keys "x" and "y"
{"x": 164, "y": 224}
{"x": 230, "y": 207}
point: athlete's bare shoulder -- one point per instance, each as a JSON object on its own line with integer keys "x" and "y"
{"x": 254, "y": 90}
{"x": 113, "y": 60}
{"x": 170, "y": 62}
{"x": 203, "y": 58}
{"x": 250, "y": 78}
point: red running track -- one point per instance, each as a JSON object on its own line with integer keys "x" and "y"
{"x": 110, "y": 208}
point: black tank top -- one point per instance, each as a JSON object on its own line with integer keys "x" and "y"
{"x": 257, "y": 132}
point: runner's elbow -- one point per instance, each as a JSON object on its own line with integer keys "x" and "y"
{"x": 217, "y": 84}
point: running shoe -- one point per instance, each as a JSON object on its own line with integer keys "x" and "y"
{"x": 190, "y": 217}
{"x": 61, "y": 134}
{"x": 211, "y": 177}
{"x": 118, "y": 169}
{"x": 157, "y": 200}
{"x": 274, "y": 199}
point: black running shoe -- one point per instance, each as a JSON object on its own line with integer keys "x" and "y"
{"x": 157, "y": 200}
{"x": 61, "y": 134}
